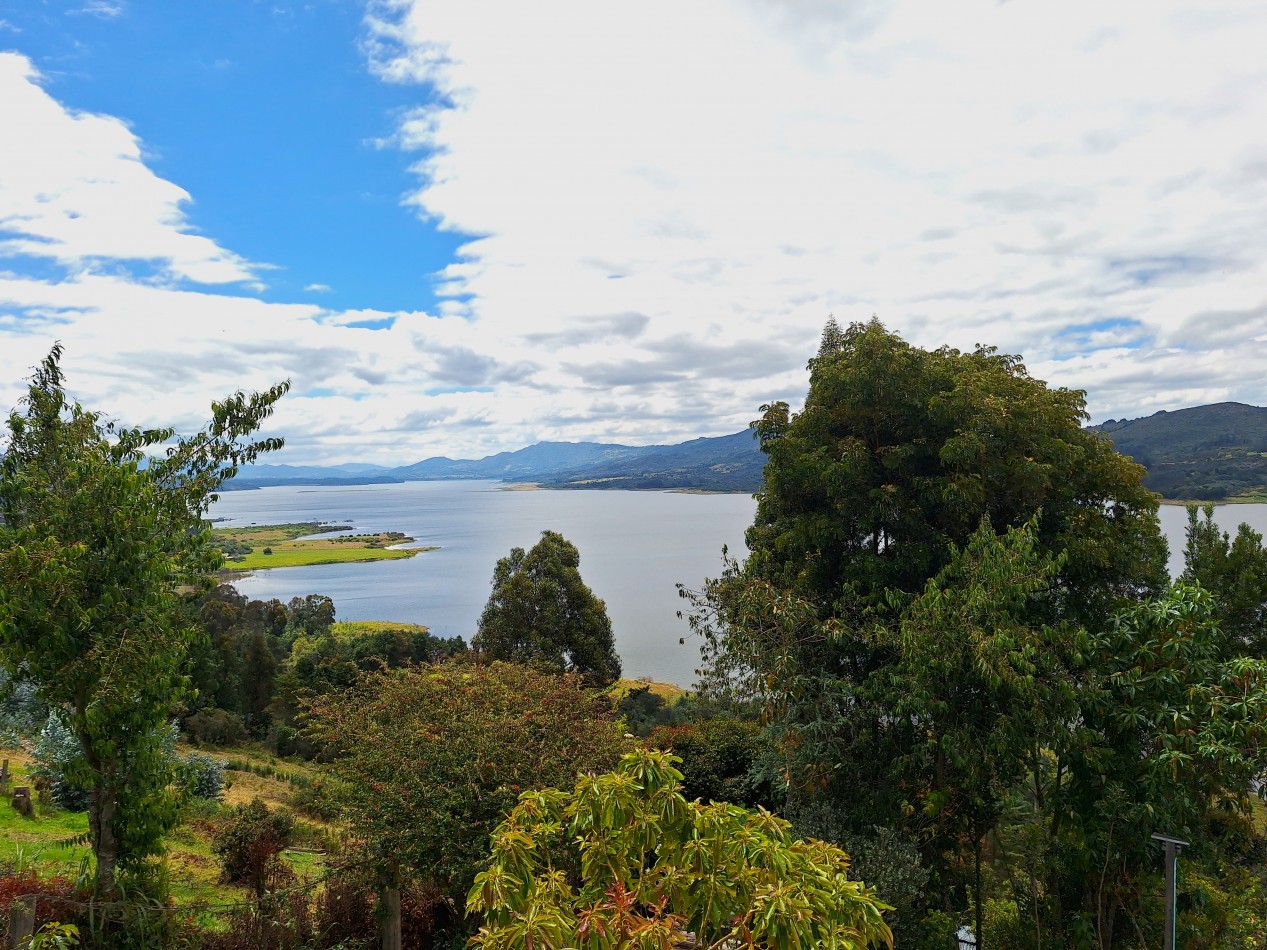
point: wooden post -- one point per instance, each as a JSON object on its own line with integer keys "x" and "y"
{"x": 22, "y": 800}
{"x": 391, "y": 918}
{"x": 4, "y": 777}
{"x": 21, "y": 921}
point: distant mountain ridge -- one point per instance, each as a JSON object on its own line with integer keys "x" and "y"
{"x": 1207, "y": 453}
{"x": 730, "y": 463}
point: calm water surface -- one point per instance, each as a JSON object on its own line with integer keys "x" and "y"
{"x": 635, "y": 546}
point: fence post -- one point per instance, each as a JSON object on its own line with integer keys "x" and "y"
{"x": 391, "y": 918}
{"x": 4, "y": 777}
{"x": 22, "y": 800}
{"x": 21, "y": 921}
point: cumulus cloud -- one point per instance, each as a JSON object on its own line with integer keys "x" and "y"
{"x": 662, "y": 203}
{"x": 74, "y": 189}
{"x": 734, "y": 170}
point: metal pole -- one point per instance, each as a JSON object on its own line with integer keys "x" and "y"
{"x": 1172, "y": 859}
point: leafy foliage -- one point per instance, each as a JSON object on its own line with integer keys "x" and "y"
{"x": 249, "y": 841}
{"x": 724, "y": 759}
{"x": 430, "y": 759}
{"x": 1234, "y": 570}
{"x": 96, "y": 543}
{"x": 57, "y": 751}
{"x": 625, "y": 860}
{"x": 203, "y": 776}
{"x": 541, "y": 612}
{"x": 955, "y": 615}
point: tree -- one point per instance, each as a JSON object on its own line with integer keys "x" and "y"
{"x": 654, "y": 867}
{"x": 898, "y": 454}
{"x": 935, "y": 531}
{"x": 98, "y": 545}
{"x": 1234, "y": 570}
{"x": 1170, "y": 730}
{"x": 541, "y": 612}
{"x": 431, "y": 758}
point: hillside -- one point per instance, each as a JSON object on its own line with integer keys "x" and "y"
{"x": 731, "y": 463}
{"x": 1207, "y": 453}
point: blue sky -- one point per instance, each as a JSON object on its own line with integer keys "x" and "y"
{"x": 266, "y": 113}
{"x": 462, "y": 228}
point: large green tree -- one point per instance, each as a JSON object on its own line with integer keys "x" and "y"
{"x": 935, "y": 529}
{"x": 899, "y": 453}
{"x": 100, "y": 540}
{"x": 541, "y": 612}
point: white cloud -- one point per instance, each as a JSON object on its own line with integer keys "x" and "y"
{"x": 971, "y": 172}
{"x": 671, "y": 198}
{"x": 318, "y": 288}
{"x": 102, "y": 9}
{"x": 74, "y": 189}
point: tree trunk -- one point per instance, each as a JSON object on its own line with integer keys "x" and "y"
{"x": 102, "y": 807}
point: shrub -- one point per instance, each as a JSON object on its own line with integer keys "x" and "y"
{"x": 723, "y": 760}
{"x": 202, "y": 776}
{"x": 55, "y": 751}
{"x": 430, "y": 759}
{"x": 655, "y": 867}
{"x": 215, "y": 727}
{"x": 249, "y": 842}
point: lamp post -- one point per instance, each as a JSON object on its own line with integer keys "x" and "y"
{"x": 1173, "y": 847}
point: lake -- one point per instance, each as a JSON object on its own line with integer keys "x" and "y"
{"x": 635, "y": 546}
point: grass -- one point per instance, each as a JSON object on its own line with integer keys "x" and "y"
{"x": 306, "y": 553}
{"x": 276, "y": 533}
{"x": 280, "y": 545}
{"x": 351, "y": 629}
{"x": 669, "y": 692}
{"x": 48, "y": 841}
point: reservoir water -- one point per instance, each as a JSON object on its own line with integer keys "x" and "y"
{"x": 635, "y": 546}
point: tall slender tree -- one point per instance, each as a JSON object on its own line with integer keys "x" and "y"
{"x": 100, "y": 540}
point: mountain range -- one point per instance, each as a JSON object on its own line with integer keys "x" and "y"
{"x": 729, "y": 463}
{"x": 1207, "y": 453}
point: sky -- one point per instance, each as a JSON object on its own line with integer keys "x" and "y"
{"x": 461, "y": 228}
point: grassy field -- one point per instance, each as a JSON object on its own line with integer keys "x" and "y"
{"x": 263, "y": 547}
{"x": 50, "y": 841}
{"x": 351, "y": 629}
{"x": 669, "y": 692}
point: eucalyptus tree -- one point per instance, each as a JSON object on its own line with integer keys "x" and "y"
{"x": 100, "y": 541}
{"x": 541, "y": 612}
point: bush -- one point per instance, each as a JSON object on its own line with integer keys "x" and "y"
{"x": 202, "y": 776}
{"x": 723, "y": 760}
{"x": 22, "y": 712}
{"x": 316, "y": 800}
{"x": 249, "y": 842}
{"x": 55, "y": 751}
{"x": 215, "y": 727}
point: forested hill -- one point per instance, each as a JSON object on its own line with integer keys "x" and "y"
{"x": 731, "y": 463}
{"x": 1208, "y": 453}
